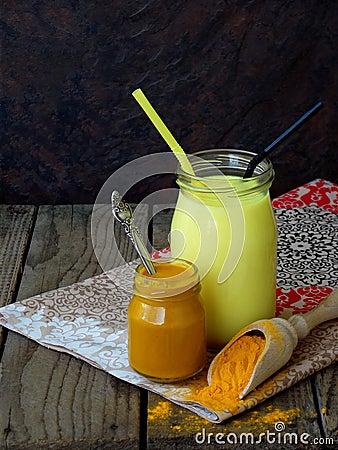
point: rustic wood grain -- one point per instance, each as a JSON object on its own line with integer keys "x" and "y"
{"x": 15, "y": 230}
{"x": 61, "y": 251}
{"x": 53, "y": 400}
{"x": 16, "y": 224}
{"x": 49, "y": 399}
{"x": 327, "y": 390}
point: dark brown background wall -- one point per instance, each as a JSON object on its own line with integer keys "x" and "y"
{"x": 221, "y": 73}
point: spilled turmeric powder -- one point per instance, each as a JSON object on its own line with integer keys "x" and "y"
{"x": 267, "y": 416}
{"x": 231, "y": 374}
{"x": 272, "y": 415}
{"x": 160, "y": 411}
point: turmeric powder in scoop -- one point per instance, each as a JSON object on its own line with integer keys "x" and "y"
{"x": 231, "y": 374}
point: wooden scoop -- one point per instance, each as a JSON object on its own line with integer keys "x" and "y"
{"x": 281, "y": 338}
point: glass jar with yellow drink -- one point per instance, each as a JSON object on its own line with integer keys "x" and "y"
{"x": 225, "y": 225}
{"x": 166, "y": 322}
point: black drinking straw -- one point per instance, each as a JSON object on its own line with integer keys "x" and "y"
{"x": 260, "y": 156}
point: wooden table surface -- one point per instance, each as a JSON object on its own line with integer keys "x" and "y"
{"x": 52, "y": 400}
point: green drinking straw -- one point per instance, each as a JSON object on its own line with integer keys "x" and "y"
{"x": 163, "y": 130}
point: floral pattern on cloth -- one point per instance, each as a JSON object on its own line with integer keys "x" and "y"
{"x": 300, "y": 300}
{"x": 320, "y": 193}
{"x": 89, "y": 319}
{"x": 307, "y": 238}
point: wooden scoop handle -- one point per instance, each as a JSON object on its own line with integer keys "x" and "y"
{"x": 327, "y": 310}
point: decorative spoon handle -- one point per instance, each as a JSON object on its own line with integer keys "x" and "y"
{"x": 123, "y": 214}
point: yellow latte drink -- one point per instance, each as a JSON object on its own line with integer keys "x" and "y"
{"x": 226, "y": 226}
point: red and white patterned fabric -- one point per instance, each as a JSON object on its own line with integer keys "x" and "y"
{"x": 319, "y": 193}
{"x": 307, "y": 268}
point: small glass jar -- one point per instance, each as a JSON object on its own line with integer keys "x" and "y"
{"x": 225, "y": 225}
{"x": 166, "y": 322}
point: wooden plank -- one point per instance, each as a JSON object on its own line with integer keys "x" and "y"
{"x": 16, "y": 224}
{"x": 49, "y": 399}
{"x": 61, "y": 250}
{"x": 327, "y": 390}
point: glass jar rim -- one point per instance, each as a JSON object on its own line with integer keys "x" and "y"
{"x": 229, "y": 162}
{"x": 159, "y": 288}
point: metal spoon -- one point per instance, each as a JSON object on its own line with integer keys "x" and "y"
{"x": 123, "y": 214}
{"x": 281, "y": 337}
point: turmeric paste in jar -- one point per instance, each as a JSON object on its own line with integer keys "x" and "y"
{"x": 166, "y": 322}
{"x": 231, "y": 374}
